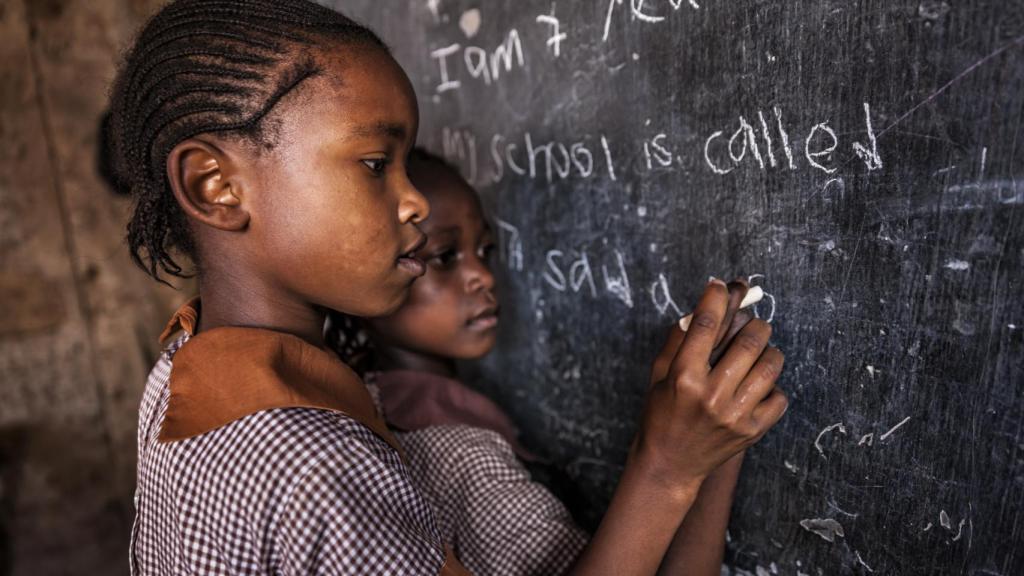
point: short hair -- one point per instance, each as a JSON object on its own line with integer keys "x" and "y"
{"x": 205, "y": 66}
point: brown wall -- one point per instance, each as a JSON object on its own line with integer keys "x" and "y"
{"x": 78, "y": 322}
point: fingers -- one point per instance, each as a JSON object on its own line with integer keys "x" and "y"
{"x": 743, "y": 352}
{"x": 770, "y": 411}
{"x": 760, "y": 381}
{"x": 737, "y": 291}
{"x": 740, "y": 320}
{"x": 664, "y": 359}
{"x": 695, "y": 352}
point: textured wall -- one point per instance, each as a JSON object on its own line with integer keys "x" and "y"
{"x": 79, "y": 320}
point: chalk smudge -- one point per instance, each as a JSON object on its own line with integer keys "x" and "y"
{"x": 827, "y": 528}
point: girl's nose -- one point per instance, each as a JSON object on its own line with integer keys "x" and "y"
{"x": 479, "y": 275}
{"x": 413, "y": 206}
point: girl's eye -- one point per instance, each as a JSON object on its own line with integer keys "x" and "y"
{"x": 444, "y": 259}
{"x": 376, "y": 165}
{"x": 485, "y": 252}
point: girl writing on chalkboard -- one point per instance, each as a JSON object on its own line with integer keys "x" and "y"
{"x": 464, "y": 452}
{"x": 266, "y": 141}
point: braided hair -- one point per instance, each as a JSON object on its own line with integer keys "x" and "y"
{"x": 205, "y": 66}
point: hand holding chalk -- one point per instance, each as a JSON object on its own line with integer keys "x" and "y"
{"x": 754, "y": 295}
{"x": 701, "y": 412}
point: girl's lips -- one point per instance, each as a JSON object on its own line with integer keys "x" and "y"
{"x": 484, "y": 321}
{"x": 412, "y": 265}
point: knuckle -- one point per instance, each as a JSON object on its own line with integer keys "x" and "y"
{"x": 770, "y": 369}
{"x": 707, "y": 404}
{"x": 750, "y": 429}
{"x": 749, "y": 342}
{"x": 686, "y": 383}
{"x": 733, "y": 419}
{"x": 704, "y": 320}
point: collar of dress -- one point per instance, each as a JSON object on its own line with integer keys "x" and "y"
{"x": 224, "y": 374}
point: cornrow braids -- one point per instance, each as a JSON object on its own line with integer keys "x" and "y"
{"x": 198, "y": 67}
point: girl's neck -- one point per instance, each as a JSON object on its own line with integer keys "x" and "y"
{"x": 227, "y": 302}
{"x": 391, "y": 358}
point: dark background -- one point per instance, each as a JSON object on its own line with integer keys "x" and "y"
{"x": 895, "y": 278}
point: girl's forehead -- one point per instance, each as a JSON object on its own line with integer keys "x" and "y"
{"x": 345, "y": 104}
{"x": 454, "y": 208}
{"x": 360, "y": 70}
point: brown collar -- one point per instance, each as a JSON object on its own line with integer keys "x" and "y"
{"x": 224, "y": 374}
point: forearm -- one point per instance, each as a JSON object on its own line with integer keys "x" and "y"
{"x": 639, "y": 525}
{"x": 699, "y": 544}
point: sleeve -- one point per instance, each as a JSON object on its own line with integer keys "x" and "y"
{"x": 503, "y": 522}
{"x": 355, "y": 512}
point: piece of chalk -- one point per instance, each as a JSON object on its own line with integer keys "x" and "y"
{"x": 754, "y": 295}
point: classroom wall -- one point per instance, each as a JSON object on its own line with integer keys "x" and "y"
{"x": 79, "y": 321}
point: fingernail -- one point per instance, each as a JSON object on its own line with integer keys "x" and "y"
{"x": 713, "y": 280}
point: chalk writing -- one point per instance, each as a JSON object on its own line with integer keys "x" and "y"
{"x": 640, "y": 13}
{"x": 510, "y": 245}
{"x": 724, "y": 151}
{"x": 557, "y": 36}
{"x": 481, "y": 64}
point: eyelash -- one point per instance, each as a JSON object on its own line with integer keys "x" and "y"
{"x": 445, "y": 258}
{"x": 376, "y": 165}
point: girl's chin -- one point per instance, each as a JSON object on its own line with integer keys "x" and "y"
{"x": 476, "y": 347}
{"x": 385, "y": 308}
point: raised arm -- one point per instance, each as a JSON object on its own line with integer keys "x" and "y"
{"x": 699, "y": 544}
{"x": 696, "y": 418}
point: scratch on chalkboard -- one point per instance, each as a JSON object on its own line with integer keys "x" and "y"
{"x": 1015, "y": 42}
{"x": 832, "y": 504}
{"x": 944, "y": 520}
{"x": 827, "y": 528}
{"x": 960, "y": 530}
{"x": 862, "y": 562}
{"x": 893, "y": 429}
{"x": 826, "y": 430}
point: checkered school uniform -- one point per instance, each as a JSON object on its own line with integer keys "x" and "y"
{"x": 498, "y": 520}
{"x": 290, "y": 490}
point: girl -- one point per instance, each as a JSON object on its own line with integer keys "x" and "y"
{"x": 462, "y": 448}
{"x": 266, "y": 141}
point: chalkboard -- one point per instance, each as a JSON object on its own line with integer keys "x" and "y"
{"x": 861, "y": 160}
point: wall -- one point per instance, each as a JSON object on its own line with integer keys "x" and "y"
{"x": 79, "y": 320}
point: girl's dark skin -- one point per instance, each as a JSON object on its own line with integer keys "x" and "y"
{"x": 326, "y": 220}
{"x": 452, "y": 311}
{"x": 441, "y": 323}
{"x": 279, "y": 231}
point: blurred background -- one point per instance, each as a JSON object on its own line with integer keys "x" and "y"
{"x": 78, "y": 321}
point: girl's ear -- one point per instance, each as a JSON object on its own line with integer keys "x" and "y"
{"x": 203, "y": 180}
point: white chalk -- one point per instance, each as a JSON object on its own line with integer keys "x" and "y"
{"x": 754, "y": 295}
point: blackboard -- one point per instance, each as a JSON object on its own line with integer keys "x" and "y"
{"x": 862, "y": 160}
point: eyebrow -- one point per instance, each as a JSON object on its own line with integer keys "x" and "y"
{"x": 389, "y": 129}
